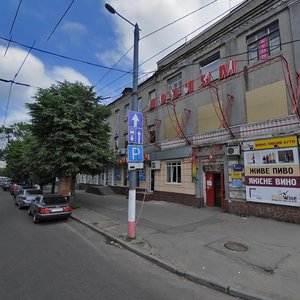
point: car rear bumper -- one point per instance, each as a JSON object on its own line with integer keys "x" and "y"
{"x": 52, "y": 216}
{"x": 24, "y": 203}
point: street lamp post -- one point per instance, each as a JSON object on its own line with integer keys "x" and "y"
{"x": 132, "y": 173}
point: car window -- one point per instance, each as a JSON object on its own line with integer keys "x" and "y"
{"x": 34, "y": 192}
{"x": 56, "y": 200}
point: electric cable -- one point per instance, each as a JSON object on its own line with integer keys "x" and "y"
{"x": 212, "y": 20}
{"x": 15, "y": 17}
{"x": 112, "y": 67}
{"x": 22, "y": 64}
{"x": 63, "y": 56}
{"x": 151, "y": 33}
{"x": 60, "y": 20}
{"x": 175, "y": 21}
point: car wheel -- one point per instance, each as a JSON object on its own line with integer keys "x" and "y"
{"x": 35, "y": 219}
{"x": 29, "y": 212}
{"x": 20, "y": 207}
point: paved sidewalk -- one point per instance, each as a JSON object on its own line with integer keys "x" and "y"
{"x": 191, "y": 242}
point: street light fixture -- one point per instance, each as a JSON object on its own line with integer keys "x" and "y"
{"x": 134, "y": 100}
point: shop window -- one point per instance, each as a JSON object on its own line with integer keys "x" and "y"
{"x": 174, "y": 172}
{"x": 264, "y": 43}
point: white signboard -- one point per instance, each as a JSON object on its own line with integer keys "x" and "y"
{"x": 273, "y": 176}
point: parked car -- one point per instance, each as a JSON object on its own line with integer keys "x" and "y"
{"x": 49, "y": 207}
{"x": 26, "y": 195}
{"x": 18, "y": 187}
{"x": 14, "y": 188}
{"x": 6, "y": 185}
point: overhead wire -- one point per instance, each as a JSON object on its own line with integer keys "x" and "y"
{"x": 55, "y": 27}
{"x": 207, "y": 23}
{"x": 112, "y": 67}
{"x": 175, "y": 21}
{"x": 197, "y": 63}
{"x": 151, "y": 33}
{"x": 63, "y": 56}
{"x": 15, "y": 17}
{"x": 11, "y": 82}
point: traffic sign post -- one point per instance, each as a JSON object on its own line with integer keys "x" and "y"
{"x": 135, "y": 157}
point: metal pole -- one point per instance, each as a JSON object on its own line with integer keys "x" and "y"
{"x": 132, "y": 173}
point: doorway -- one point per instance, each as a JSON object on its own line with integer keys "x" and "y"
{"x": 152, "y": 180}
{"x": 214, "y": 187}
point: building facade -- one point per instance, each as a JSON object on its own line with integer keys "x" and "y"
{"x": 221, "y": 117}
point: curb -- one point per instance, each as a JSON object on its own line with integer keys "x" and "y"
{"x": 191, "y": 276}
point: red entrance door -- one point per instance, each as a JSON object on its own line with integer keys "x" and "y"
{"x": 209, "y": 186}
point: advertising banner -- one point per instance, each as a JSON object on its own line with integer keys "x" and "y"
{"x": 272, "y": 173}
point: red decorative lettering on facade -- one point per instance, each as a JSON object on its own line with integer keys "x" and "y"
{"x": 189, "y": 87}
{"x": 205, "y": 79}
{"x": 163, "y": 99}
{"x": 174, "y": 93}
{"x": 152, "y": 103}
{"x": 227, "y": 70}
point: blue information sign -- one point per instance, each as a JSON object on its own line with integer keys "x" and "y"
{"x": 135, "y": 153}
{"x": 135, "y": 135}
{"x": 135, "y": 119}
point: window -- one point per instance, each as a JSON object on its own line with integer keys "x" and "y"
{"x": 211, "y": 65}
{"x": 175, "y": 82}
{"x": 174, "y": 172}
{"x": 117, "y": 117}
{"x": 264, "y": 42}
{"x": 126, "y": 109}
{"x": 116, "y": 142}
{"x": 139, "y": 104}
{"x": 151, "y": 130}
{"x": 151, "y": 95}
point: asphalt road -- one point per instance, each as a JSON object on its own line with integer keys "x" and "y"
{"x": 65, "y": 260}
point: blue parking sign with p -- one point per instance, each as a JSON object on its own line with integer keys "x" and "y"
{"x": 135, "y": 153}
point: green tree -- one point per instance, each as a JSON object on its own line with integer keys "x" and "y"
{"x": 71, "y": 126}
{"x": 13, "y": 152}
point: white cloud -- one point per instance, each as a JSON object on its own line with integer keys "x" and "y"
{"x": 74, "y": 27}
{"x": 75, "y": 31}
{"x": 33, "y": 73}
{"x": 69, "y": 74}
{"x": 152, "y": 15}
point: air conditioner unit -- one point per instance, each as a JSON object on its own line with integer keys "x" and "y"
{"x": 155, "y": 165}
{"x": 233, "y": 150}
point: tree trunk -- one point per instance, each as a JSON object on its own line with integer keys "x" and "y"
{"x": 73, "y": 187}
{"x": 53, "y": 185}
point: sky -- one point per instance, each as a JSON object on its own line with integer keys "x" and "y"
{"x": 79, "y": 40}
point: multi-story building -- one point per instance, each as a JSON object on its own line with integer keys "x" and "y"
{"x": 221, "y": 116}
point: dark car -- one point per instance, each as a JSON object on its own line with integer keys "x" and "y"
{"x": 49, "y": 207}
{"x": 26, "y": 195}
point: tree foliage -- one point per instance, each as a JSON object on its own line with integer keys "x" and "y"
{"x": 71, "y": 129}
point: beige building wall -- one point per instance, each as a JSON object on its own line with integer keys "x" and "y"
{"x": 267, "y": 102}
{"x": 171, "y": 126}
{"x": 186, "y": 186}
{"x": 207, "y": 118}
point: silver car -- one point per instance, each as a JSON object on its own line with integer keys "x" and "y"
{"x": 49, "y": 207}
{"x": 26, "y": 196}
